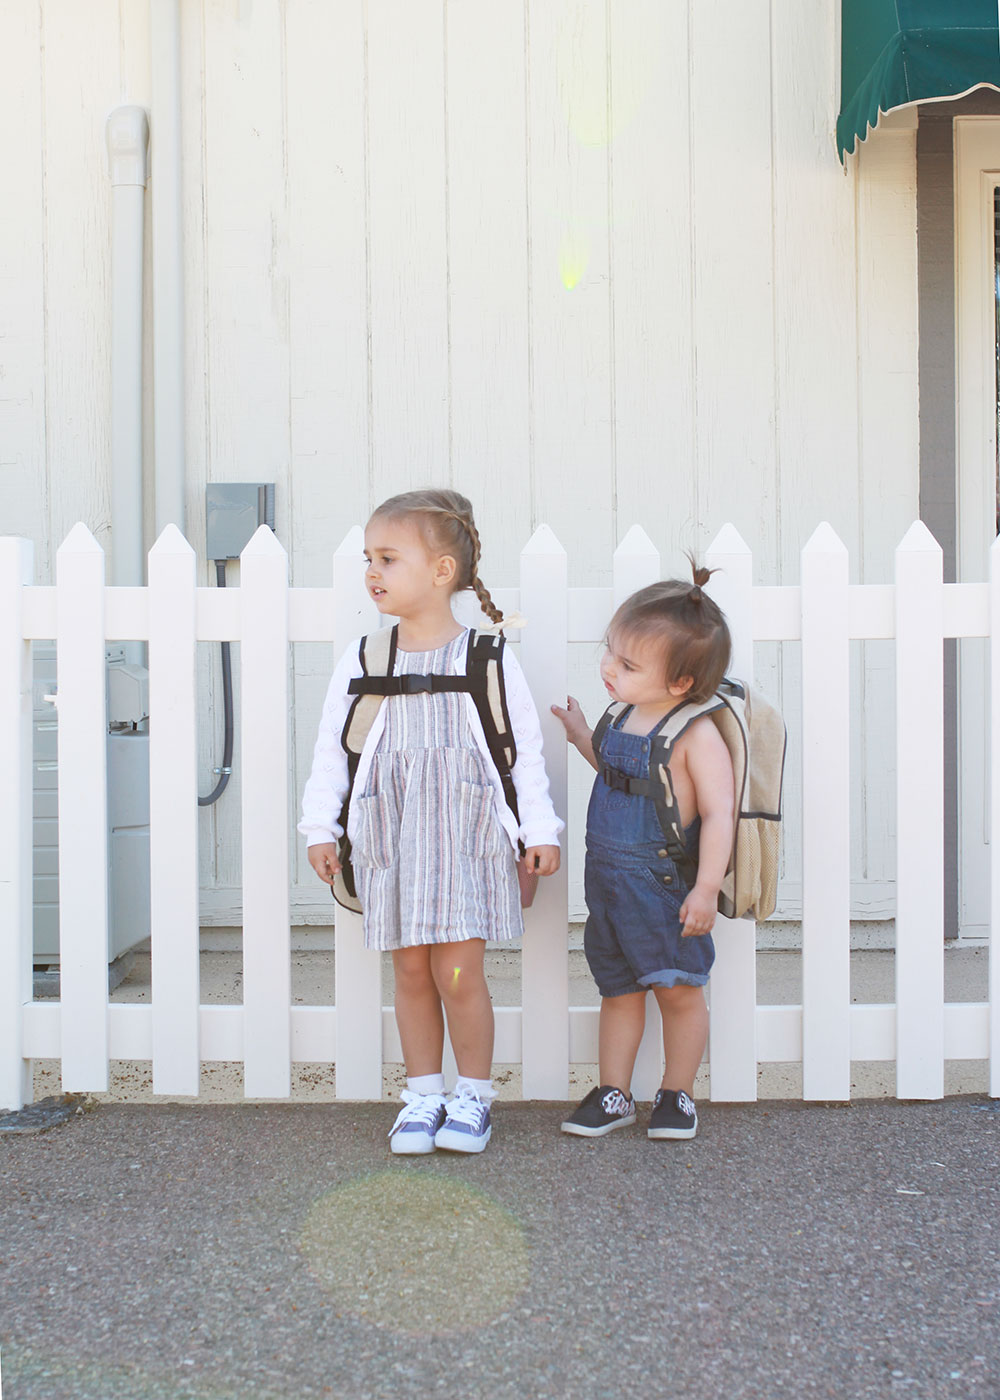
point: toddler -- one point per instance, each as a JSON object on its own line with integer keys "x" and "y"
{"x": 650, "y": 918}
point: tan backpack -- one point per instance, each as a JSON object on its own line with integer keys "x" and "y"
{"x": 754, "y": 733}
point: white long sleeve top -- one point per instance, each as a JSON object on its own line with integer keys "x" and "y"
{"x": 326, "y": 788}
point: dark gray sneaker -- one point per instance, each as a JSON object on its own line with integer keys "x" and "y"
{"x": 603, "y": 1110}
{"x": 674, "y": 1115}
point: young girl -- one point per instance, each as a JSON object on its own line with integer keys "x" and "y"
{"x": 648, "y": 926}
{"x": 433, "y": 838}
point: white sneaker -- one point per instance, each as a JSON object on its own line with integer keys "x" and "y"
{"x": 466, "y": 1126}
{"x": 413, "y": 1131}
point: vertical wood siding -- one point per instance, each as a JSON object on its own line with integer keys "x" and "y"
{"x": 592, "y": 262}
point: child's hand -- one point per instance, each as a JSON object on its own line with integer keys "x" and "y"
{"x": 573, "y": 720}
{"x": 543, "y": 860}
{"x": 698, "y": 912}
{"x": 324, "y": 860}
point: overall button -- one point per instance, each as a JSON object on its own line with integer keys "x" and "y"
{"x": 668, "y": 879}
{"x": 661, "y": 854}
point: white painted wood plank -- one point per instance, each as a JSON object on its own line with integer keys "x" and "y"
{"x": 357, "y": 972}
{"x": 544, "y": 960}
{"x": 80, "y": 48}
{"x": 779, "y": 1034}
{"x": 83, "y": 820}
{"x": 16, "y": 568}
{"x": 173, "y": 815}
{"x": 650, "y": 246}
{"x": 41, "y": 1030}
{"x": 408, "y": 285}
{"x": 568, "y": 272}
{"x": 919, "y": 818}
{"x": 995, "y": 818}
{"x": 489, "y": 425}
{"x": 325, "y": 94}
{"x": 731, "y": 199}
{"x": 22, "y": 344}
{"x": 264, "y": 757}
{"x": 967, "y": 1030}
{"x": 873, "y": 1032}
{"x": 733, "y": 986}
{"x": 826, "y": 856}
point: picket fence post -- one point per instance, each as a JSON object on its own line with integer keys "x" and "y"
{"x": 357, "y": 972}
{"x": 264, "y": 766}
{"x": 919, "y": 817}
{"x": 636, "y": 564}
{"x": 733, "y": 987}
{"x": 16, "y": 569}
{"x": 826, "y": 870}
{"x": 173, "y": 815}
{"x": 544, "y": 961}
{"x": 83, "y": 812}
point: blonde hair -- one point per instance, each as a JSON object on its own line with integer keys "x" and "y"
{"x": 445, "y": 520}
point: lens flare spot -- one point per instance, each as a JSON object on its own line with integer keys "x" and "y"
{"x": 574, "y": 256}
{"x": 368, "y": 1244}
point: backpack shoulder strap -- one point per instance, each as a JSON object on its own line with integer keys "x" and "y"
{"x": 484, "y": 669}
{"x": 377, "y": 654}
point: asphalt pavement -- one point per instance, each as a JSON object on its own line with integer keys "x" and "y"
{"x": 249, "y": 1252}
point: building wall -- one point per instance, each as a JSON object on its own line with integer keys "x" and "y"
{"x": 592, "y": 263}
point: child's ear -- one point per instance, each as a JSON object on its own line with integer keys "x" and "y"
{"x": 445, "y": 571}
{"x": 681, "y": 687}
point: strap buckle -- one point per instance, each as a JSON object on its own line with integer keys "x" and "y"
{"x": 416, "y": 685}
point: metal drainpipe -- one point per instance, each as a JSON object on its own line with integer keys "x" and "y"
{"x": 168, "y": 269}
{"x": 127, "y": 137}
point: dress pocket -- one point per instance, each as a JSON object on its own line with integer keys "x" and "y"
{"x": 375, "y": 845}
{"x": 480, "y": 833}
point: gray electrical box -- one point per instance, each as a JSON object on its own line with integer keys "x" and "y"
{"x": 233, "y": 511}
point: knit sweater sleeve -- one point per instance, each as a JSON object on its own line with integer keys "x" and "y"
{"x": 326, "y": 787}
{"x": 539, "y": 824}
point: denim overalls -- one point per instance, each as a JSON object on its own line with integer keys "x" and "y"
{"x": 633, "y": 889}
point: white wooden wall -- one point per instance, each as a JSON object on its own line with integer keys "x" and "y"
{"x": 591, "y": 261}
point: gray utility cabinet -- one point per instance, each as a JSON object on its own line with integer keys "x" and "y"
{"x": 128, "y": 826}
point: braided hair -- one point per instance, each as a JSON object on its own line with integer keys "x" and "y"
{"x": 690, "y": 627}
{"x": 446, "y": 522}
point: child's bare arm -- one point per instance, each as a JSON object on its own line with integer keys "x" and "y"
{"x": 711, "y": 772}
{"x": 578, "y": 731}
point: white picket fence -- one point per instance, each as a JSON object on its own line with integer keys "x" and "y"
{"x": 545, "y": 1034}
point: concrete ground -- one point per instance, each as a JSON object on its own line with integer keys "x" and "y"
{"x": 249, "y": 1252}
{"x": 779, "y": 981}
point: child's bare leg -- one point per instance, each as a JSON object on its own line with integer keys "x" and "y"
{"x": 685, "y": 1034}
{"x": 458, "y": 974}
{"x": 418, "y": 1011}
{"x": 622, "y": 1022}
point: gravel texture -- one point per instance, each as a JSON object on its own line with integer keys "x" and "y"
{"x": 218, "y": 1251}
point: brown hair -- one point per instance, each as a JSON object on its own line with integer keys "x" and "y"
{"x": 690, "y": 627}
{"x": 445, "y": 520}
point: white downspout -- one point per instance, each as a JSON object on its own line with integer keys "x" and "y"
{"x": 168, "y": 269}
{"x": 127, "y": 137}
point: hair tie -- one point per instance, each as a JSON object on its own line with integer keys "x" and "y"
{"x": 695, "y": 596}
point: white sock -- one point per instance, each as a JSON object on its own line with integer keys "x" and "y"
{"x": 426, "y": 1083}
{"x": 482, "y": 1088}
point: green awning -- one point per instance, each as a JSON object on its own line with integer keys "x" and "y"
{"x": 894, "y": 52}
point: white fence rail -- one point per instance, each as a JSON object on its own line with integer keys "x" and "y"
{"x": 545, "y": 1034}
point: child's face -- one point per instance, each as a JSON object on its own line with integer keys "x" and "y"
{"x": 402, "y": 575}
{"x": 633, "y": 670}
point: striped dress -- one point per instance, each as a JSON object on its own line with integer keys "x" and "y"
{"x": 432, "y": 861}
